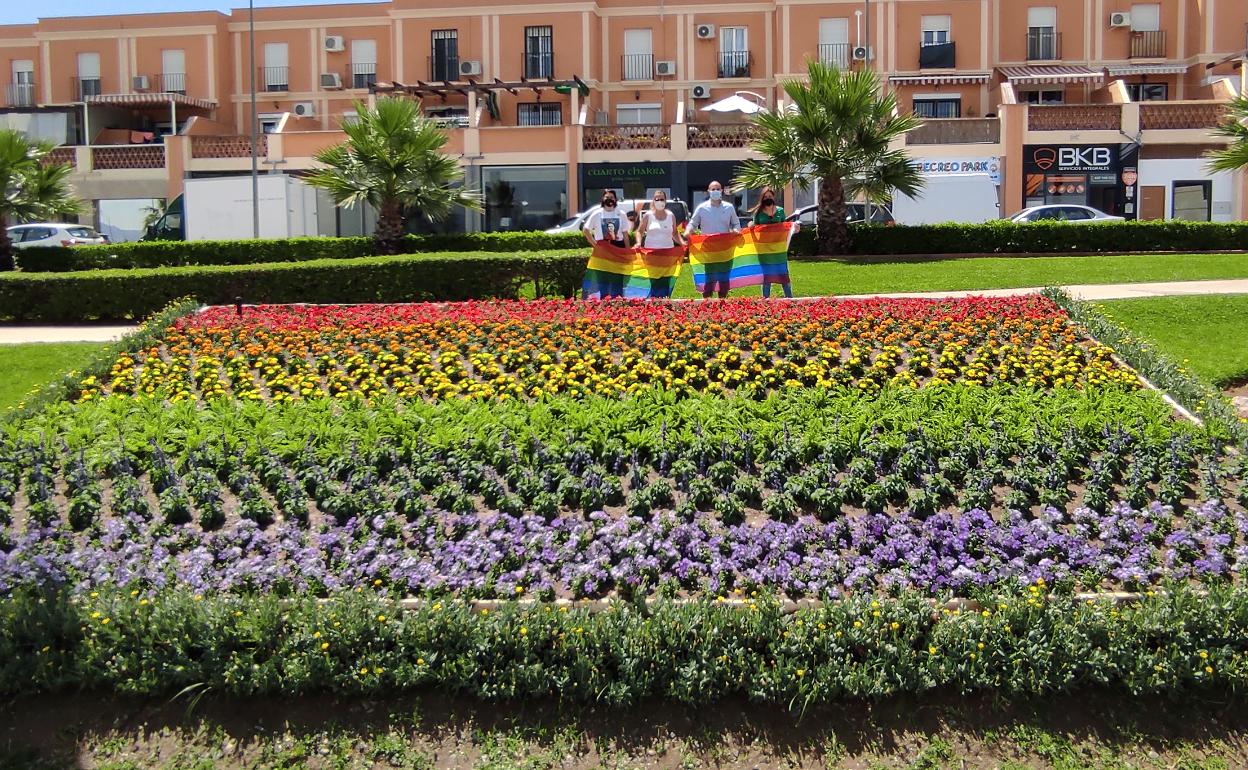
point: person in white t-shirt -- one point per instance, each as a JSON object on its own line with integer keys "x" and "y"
{"x": 607, "y": 223}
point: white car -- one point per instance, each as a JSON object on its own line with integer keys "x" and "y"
{"x": 577, "y": 223}
{"x": 48, "y": 234}
{"x": 1063, "y": 213}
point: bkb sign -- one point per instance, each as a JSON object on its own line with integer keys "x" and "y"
{"x": 1077, "y": 159}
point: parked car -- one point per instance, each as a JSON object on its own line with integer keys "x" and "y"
{"x": 856, "y": 215}
{"x": 48, "y": 234}
{"x": 577, "y": 223}
{"x": 1063, "y": 213}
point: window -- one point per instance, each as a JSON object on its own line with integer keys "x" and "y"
{"x": 938, "y": 107}
{"x": 539, "y": 114}
{"x": 444, "y": 57}
{"x": 539, "y": 56}
{"x": 936, "y": 29}
{"x": 1148, "y": 92}
{"x": 734, "y": 52}
{"x": 638, "y": 54}
{"x": 524, "y": 197}
{"x": 22, "y": 90}
{"x": 450, "y": 117}
{"x": 363, "y": 63}
{"x": 1043, "y": 40}
{"x": 638, "y": 114}
{"x": 1146, "y": 17}
{"x": 1193, "y": 201}
{"x": 1042, "y": 97}
{"x": 89, "y": 83}
{"x": 173, "y": 71}
{"x": 834, "y": 42}
{"x": 276, "y": 67}
{"x": 269, "y": 123}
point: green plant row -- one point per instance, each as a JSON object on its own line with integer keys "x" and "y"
{"x": 250, "y": 252}
{"x": 1018, "y": 644}
{"x": 122, "y": 294}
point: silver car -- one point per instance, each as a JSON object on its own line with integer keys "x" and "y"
{"x": 1063, "y": 213}
{"x": 51, "y": 234}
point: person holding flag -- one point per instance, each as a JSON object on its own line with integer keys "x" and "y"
{"x": 608, "y": 225}
{"x": 768, "y": 212}
{"x": 715, "y": 216}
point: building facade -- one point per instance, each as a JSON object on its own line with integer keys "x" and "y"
{"x": 1103, "y": 102}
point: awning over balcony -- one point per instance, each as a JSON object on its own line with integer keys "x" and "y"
{"x": 1041, "y": 74}
{"x": 1146, "y": 69}
{"x": 958, "y": 78}
{"x": 152, "y": 100}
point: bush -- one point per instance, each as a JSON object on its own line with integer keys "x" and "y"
{"x": 250, "y": 252}
{"x": 124, "y": 294}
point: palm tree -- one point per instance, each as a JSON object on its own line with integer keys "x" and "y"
{"x": 1236, "y": 129}
{"x": 838, "y": 130}
{"x": 393, "y": 161}
{"x": 31, "y": 189}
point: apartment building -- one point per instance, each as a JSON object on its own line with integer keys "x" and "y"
{"x": 1104, "y": 102}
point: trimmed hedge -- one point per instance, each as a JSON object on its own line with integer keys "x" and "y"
{"x": 125, "y": 294}
{"x": 1020, "y": 644}
{"x": 251, "y": 252}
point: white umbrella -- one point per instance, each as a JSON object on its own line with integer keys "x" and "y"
{"x": 737, "y": 103}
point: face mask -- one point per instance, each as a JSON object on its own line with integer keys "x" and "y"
{"x": 717, "y": 194}
{"x": 769, "y": 202}
{"x": 608, "y": 204}
{"x": 659, "y": 205}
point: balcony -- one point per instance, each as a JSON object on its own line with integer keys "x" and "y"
{"x": 363, "y": 75}
{"x": 20, "y": 95}
{"x": 538, "y": 65}
{"x": 128, "y": 157}
{"x": 956, "y": 131}
{"x": 67, "y": 155}
{"x": 1181, "y": 115}
{"x": 1074, "y": 117}
{"x": 274, "y": 79}
{"x": 707, "y": 136}
{"x": 938, "y": 56}
{"x": 1148, "y": 45}
{"x": 1044, "y": 44}
{"x": 165, "y": 83}
{"x": 834, "y": 54}
{"x": 228, "y": 146}
{"x": 84, "y": 87}
{"x": 629, "y": 137}
{"x": 734, "y": 64}
{"x": 637, "y": 66}
{"x": 443, "y": 69}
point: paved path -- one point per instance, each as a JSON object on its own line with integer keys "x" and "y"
{"x": 12, "y": 335}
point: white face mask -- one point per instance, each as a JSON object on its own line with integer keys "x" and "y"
{"x": 716, "y": 194}
{"x": 659, "y": 205}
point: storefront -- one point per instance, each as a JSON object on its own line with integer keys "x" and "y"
{"x": 1103, "y": 176}
{"x": 626, "y": 180}
{"x": 524, "y": 197}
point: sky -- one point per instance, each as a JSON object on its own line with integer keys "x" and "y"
{"x": 22, "y": 12}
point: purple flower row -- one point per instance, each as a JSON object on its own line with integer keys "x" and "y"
{"x": 491, "y": 555}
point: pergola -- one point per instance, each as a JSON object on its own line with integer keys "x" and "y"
{"x": 487, "y": 89}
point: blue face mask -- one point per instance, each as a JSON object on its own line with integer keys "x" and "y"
{"x": 716, "y": 194}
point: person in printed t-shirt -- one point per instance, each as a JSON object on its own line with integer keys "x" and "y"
{"x": 713, "y": 217}
{"x": 608, "y": 224}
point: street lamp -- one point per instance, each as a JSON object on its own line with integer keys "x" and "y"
{"x": 255, "y": 171}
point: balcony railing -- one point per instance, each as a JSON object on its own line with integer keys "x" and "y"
{"x": 128, "y": 157}
{"x": 1148, "y": 45}
{"x": 62, "y": 155}
{"x": 84, "y": 87}
{"x": 720, "y": 135}
{"x": 274, "y": 79}
{"x": 956, "y": 131}
{"x": 20, "y": 95}
{"x": 834, "y": 54}
{"x": 637, "y": 66}
{"x": 538, "y": 65}
{"x": 628, "y": 137}
{"x": 1179, "y": 115}
{"x": 363, "y": 76}
{"x": 172, "y": 82}
{"x": 1074, "y": 117}
{"x": 228, "y": 146}
{"x": 1044, "y": 44}
{"x": 443, "y": 69}
{"x": 938, "y": 56}
{"x": 734, "y": 64}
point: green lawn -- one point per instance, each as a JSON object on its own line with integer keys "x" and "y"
{"x": 27, "y": 366}
{"x": 823, "y": 278}
{"x": 1209, "y": 332}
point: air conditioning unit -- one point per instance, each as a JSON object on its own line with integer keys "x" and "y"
{"x": 665, "y": 68}
{"x": 1120, "y": 19}
{"x": 701, "y": 91}
{"x": 706, "y": 32}
{"x": 305, "y": 109}
{"x": 331, "y": 81}
{"x": 862, "y": 53}
{"x": 139, "y": 82}
{"x": 470, "y": 67}
{"x": 335, "y": 43}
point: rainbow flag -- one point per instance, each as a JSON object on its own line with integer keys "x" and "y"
{"x": 632, "y": 273}
{"x": 742, "y": 259}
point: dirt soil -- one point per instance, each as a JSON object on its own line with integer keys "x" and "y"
{"x": 1088, "y": 730}
{"x": 1239, "y": 397}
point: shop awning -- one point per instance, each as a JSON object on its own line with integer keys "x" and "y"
{"x": 951, "y": 79}
{"x": 1051, "y": 74}
{"x": 1146, "y": 69}
{"x": 152, "y": 100}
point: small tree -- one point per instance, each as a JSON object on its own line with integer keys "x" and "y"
{"x": 32, "y": 189}
{"x": 393, "y": 161}
{"x": 838, "y": 131}
{"x": 1236, "y": 129}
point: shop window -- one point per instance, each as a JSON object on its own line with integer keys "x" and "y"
{"x": 1192, "y": 201}
{"x": 539, "y": 114}
{"x": 942, "y": 107}
{"x": 524, "y": 197}
{"x": 1148, "y": 92}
